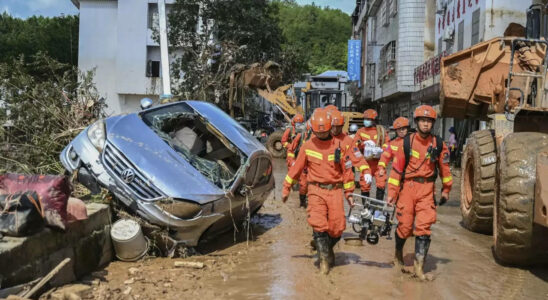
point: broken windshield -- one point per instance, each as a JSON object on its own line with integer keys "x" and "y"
{"x": 194, "y": 139}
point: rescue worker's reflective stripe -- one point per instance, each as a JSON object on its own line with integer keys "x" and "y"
{"x": 348, "y": 185}
{"x": 314, "y": 154}
{"x": 363, "y": 135}
{"x": 415, "y": 154}
{"x": 394, "y": 181}
{"x": 289, "y": 154}
{"x": 331, "y": 157}
{"x": 382, "y": 164}
{"x": 375, "y": 137}
{"x": 447, "y": 179}
{"x": 363, "y": 167}
{"x": 384, "y": 145}
{"x": 290, "y": 180}
{"x": 394, "y": 148}
{"x": 285, "y": 144}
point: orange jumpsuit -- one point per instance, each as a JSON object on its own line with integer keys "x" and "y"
{"x": 291, "y": 149}
{"x": 325, "y": 204}
{"x": 366, "y": 134}
{"x": 287, "y": 138}
{"x": 392, "y": 147}
{"x": 416, "y": 198}
{"x": 353, "y": 154}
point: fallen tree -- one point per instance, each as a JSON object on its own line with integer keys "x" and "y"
{"x": 44, "y": 104}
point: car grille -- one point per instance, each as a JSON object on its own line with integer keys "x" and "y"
{"x": 116, "y": 163}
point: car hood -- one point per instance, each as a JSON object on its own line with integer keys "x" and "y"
{"x": 157, "y": 161}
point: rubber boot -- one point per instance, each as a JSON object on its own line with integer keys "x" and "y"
{"x": 332, "y": 242}
{"x": 365, "y": 194}
{"x": 322, "y": 244}
{"x": 398, "y": 257}
{"x": 422, "y": 243}
{"x": 302, "y": 199}
{"x": 380, "y": 194}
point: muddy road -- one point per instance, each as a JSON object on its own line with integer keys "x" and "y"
{"x": 278, "y": 264}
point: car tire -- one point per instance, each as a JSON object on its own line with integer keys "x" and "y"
{"x": 274, "y": 144}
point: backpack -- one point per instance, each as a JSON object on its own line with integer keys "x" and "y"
{"x": 436, "y": 153}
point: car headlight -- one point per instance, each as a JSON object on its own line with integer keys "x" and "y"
{"x": 97, "y": 135}
{"x": 180, "y": 208}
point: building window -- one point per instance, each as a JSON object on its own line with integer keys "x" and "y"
{"x": 475, "y": 26}
{"x": 440, "y": 46}
{"x": 387, "y": 64}
{"x": 393, "y": 7}
{"x": 385, "y": 13}
{"x": 371, "y": 76}
{"x": 153, "y": 68}
{"x": 460, "y": 36}
{"x": 153, "y": 18}
{"x": 373, "y": 26}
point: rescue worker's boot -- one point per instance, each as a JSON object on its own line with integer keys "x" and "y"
{"x": 365, "y": 194}
{"x": 398, "y": 257}
{"x": 322, "y": 244}
{"x": 422, "y": 243}
{"x": 380, "y": 194}
{"x": 332, "y": 242}
{"x": 302, "y": 199}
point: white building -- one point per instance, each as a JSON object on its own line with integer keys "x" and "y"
{"x": 395, "y": 40}
{"x": 116, "y": 40}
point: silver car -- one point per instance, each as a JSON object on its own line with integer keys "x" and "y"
{"x": 185, "y": 166}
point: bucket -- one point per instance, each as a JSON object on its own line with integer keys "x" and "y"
{"x": 128, "y": 240}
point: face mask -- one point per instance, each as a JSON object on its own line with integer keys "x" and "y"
{"x": 367, "y": 123}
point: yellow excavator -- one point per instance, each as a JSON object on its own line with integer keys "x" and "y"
{"x": 265, "y": 80}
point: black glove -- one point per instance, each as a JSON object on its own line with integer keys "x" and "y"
{"x": 443, "y": 200}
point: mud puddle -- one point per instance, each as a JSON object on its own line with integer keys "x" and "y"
{"x": 278, "y": 264}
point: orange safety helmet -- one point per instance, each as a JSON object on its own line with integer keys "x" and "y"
{"x": 400, "y": 123}
{"x": 298, "y": 118}
{"x": 370, "y": 114}
{"x": 331, "y": 107}
{"x": 321, "y": 120}
{"x": 425, "y": 111}
{"x": 337, "y": 118}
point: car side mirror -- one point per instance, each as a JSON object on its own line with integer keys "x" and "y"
{"x": 146, "y": 103}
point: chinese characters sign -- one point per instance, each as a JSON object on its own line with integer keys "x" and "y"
{"x": 354, "y": 60}
{"x": 429, "y": 68}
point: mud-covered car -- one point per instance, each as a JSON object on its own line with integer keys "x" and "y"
{"x": 185, "y": 166}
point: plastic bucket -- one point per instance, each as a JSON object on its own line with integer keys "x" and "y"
{"x": 128, "y": 240}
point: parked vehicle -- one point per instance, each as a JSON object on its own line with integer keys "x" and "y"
{"x": 186, "y": 166}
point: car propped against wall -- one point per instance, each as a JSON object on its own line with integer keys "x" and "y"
{"x": 185, "y": 166}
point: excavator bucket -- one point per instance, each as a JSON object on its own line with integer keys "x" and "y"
{"x": 494, "y": 76}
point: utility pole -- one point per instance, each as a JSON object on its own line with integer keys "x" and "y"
{"x": 164, "y": 55}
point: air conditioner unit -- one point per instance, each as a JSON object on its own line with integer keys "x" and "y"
{"x": 441, "y": 6}
{"x": 449, "y": 32}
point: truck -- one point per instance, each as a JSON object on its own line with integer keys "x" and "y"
{"x": 319, "y": 91}
{"x": 504, "y": 181}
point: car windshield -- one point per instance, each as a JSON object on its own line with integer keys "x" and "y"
{"x": 197, "y": 141}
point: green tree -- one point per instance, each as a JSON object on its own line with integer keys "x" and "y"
{"x": 211, "y": 37}
{"x": 58, "y": 37}
{"x": 321, "y": 34}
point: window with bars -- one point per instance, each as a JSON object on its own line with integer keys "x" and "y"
{"x": 385, "y": 14}
{"x": 371, "y": 75}
{"x": 393, "y": 7}
{"x": 387, "y": 64}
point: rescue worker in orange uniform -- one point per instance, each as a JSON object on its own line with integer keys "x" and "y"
{"x": 329, "y": 176}
{"x": 290, "y": 133}
{"x": 401, "y": 126}
{"x": 412, "y": 182}
{"x": 377, "y": 135}
{"x": 292, "y": 152}
{"x": 353, "y": 152}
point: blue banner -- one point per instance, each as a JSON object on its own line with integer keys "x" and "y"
{"x": 354, "y": 60}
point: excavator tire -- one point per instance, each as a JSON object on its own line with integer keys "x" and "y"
{"x": 479, "y": 163}
{"x": 274, "y": 144}
{"x": 517, "y": 240}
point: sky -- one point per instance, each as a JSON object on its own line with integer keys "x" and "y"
{"x": 51, "y": 8}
